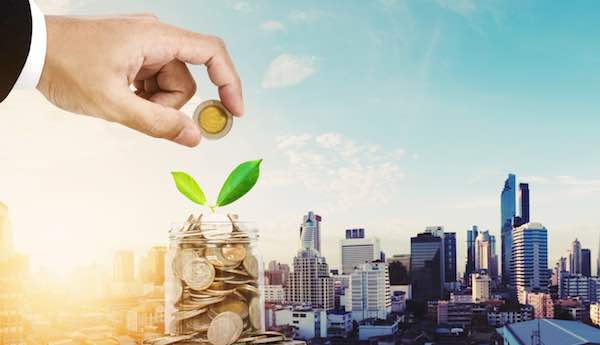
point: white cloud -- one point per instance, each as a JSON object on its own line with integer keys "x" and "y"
{"x": 345, "y": 173}
{"x": 242, "y": 6}
{"x": 55, "y": 6}
{"x": 272, "y": 25}
{"x": 306, "y": 16}
{"x": 462, "y": 7}
{"x": 288, "y": 70}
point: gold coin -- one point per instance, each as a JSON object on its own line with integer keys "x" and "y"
{"x": 255, "y": 313}
{"x": 213, "y": 118}
{"x": 233, "y": 305}
{"x": 198, "y": 273}
{"x": 225, "y": 329}
{"x": 234, "y": 252}
{"x": 251, "y": 265}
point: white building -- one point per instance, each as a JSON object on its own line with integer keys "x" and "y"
{"x": 377, "y": 328}
{"x": 502, "y": 316}
{"x": 529, "y": 263}
{"x": 595, "y": 314}
{"x": 370, "y": 291}
{"x": 339, "y": 324}
{"x": 481, "y": 287}
{"x": 483, "y": 252}
{"x": 310, "y": 232}
{"x": 575, "y": 257}
{"x": 274, "y": 293}
{"x": 356, "y": 250}
{"x": 310, "y": 283}
{"x": 309, "y": 323}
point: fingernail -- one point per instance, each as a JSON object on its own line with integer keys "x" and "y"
{"x": 189, "y": 137}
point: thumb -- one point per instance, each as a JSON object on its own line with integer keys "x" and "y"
{"x": 156, "y": 120}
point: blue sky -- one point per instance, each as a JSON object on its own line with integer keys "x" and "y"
{"x": 391, "y": 115}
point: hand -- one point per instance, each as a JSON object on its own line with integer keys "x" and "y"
{"x": 91, "y": 64}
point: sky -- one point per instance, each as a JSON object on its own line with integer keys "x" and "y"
{"x": 388, "y": 115}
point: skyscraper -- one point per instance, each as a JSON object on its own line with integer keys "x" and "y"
{"x": 310, "y": 231}
{"x": 507, "y": 215}
{"x": 399, "y": 269}
{"x": 450, "y": 257}
{"x": 123, "y": 271}
{"x": 370, "y": 286}
{"x": 530, "y": 257}
{"x": 355, "y": 250}
{"x": 427, "y": 266}
{"x": 152, "y": 266}
{"x": 575, "y": 257}
{"x": 483, "y": 252}
{"x": 310, "y": 282}
{"x": 438, "y": 231}
{"x": 470, "y": 264}
{"x": 586, "y": 262}
{"x": 523, "y": 217}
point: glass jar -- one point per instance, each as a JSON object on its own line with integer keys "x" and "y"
{"x": 214, "y": 280}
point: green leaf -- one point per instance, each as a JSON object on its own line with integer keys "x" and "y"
{"x": 188, "y": 187}
{"x": 239, "y": 182}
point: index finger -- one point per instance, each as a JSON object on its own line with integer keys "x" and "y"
{"x": 206, "y": 50}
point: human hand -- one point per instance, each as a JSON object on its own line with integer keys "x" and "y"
{"x": 91, "y": 63}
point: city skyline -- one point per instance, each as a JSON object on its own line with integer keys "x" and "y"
{"x": 430, "y": 116}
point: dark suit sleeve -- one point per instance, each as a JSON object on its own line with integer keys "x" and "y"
{"x": 15, "y": 40}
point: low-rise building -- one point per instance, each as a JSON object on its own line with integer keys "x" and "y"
{"x": 543, "y": 306}
{"x": 456, "y": 314}
{"x": 339, "y": 324}
{"x": 509, "y": 313}
{"x": 481, "y": 285}
{"x": 274, "y": 293}
{"x": 548, "y": 331}
{"x": 148, "y": 316}
{"x": 371, "y": 328}
{"x": 309, "y": 323}
{"x": 576, "y": 286}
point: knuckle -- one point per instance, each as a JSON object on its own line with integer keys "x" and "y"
{"x": 218, "y": 42}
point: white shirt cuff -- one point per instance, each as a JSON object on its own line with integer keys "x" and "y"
{"x": 32, "y": 71}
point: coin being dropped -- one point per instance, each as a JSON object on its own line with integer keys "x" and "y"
{"x": 225, "y": 329}
{"x": 213, "y": 118}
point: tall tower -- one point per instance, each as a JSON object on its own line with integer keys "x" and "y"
{"x": 530, "y": 257}
{"x": 310, "y": 282}
{"x": 483, "y": 252}
{"x": 370, "y": 286}
{"x": 470, "y": 264}
{"x": 356, "y": 250}
{"x": 450, "y": 257}
{"x": 508, "y": 208}
{"x": 310, "y": 231}
{"x": 427, "y": 266}
{"x": 586, "y": 262}
{"x": 523, "y": 217}
{"x": 575, "y": 257}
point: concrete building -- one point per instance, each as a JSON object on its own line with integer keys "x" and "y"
{"x": 456, "y": 314}
{"x": 310, "y": 283}
{"x": 309, "y": 323}
{"x": 575, "y": 257}
{"x": 507, "y": 314}
{"x": 277, "y": 273}
{"x": 576, "y": 285}
{"x": 148, "y": 316}
{"x": 377, "y": 328}
{"x": 152, "y": 266}
{"x": 543, "y": 306}
{"x": 470, "y": 262}
{"x": 339, "y": 324}
{"x": 274, "y": 293}
{"x": 310, "y": 232}
{"x": 548, "y": 332}
{"x": 481, "y": 287}
{"x": 370, "y": 291}
{"x": 355, "y": 250}
{"x": 123, "y": 266}
{"x": 450, "y": 257}
{"x": 595, "y": 314}
{"x": 529, "y": 262}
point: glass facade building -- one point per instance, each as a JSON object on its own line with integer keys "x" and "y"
{"x": 470, "y": 264}
{"x": 427, "y": 266}
{"x": 399, "y": 268}
{"x": 508, "y": 207}
{"x": 450, "y": 257}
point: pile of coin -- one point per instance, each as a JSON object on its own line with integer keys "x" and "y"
{"x": 213, "y": 286}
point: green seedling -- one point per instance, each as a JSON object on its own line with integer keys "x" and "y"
{"x": 238, "y": 183}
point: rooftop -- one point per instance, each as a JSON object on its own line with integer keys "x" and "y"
{"x": 554, "y": 332}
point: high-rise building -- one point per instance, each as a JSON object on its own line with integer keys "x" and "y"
{"x": 123, "y": 271}
{"x": 450, "y": 257}
{"x": 483, "y": 252}
{"x": 370, "y": 286}
{"x": 438, "y": 230}
{"x": 355, "y": 233}
{"x": 529, "y": 264}
{"x": 493, "y": 270}
{"x": 586, "y": 262}
{"x": 575, "y": 257}
{"x": 152, "y": 266}
{"x": 507, "y": 214}
{"x": 310, "y": 231}
{"x": 277, "y": 273}
{"x": 577, "y": 286}
{"x": 310, "y": 283}
{"x": 356, "y": 250}
{"x": 470, "y": 264}
{"x": 523, "y": 217}
{"x": 426, "y": 266}
{"x": 399, "y": 268}
{"x": 481, "y": 288}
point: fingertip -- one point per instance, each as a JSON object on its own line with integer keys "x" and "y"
{"x": 189, "y": 136}
{"x": 232, "y": 100}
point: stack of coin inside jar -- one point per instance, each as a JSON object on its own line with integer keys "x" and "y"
{"x": 213, "y": 288}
